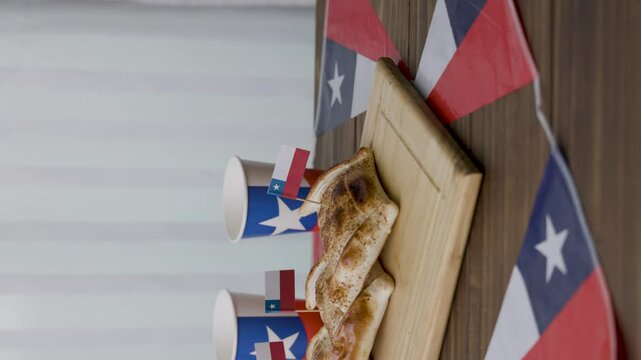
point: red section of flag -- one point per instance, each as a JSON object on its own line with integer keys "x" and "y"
{"x": 296, "y": 171}
{"x": 311, "y": 320}
{"x": 492, "y": 60}
{"x": 583, "y": 329}
{"x": 277, "y": 350}
{"x": 300, "y": 305}
{"x": 311, "y": 175}
{"x": 287, "y": 290}
{"x": 355, "y": 25}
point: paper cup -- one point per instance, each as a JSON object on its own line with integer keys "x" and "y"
{"x": 251, "y": 212}
{"x": 240, "y": 322}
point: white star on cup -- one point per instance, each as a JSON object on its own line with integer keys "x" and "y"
{"x": 288, "y": 342}
{"x": 287, "y": 219}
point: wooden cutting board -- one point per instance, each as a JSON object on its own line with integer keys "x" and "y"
{"x": 436, "y": 186}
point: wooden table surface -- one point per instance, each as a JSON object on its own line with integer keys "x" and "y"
{"x": 589, "y": 57}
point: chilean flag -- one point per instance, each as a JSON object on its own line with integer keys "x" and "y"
{"x": 354, "y": 40}
{"x": 288, "y": 172}
{"x": 556, "y": 305}
{"x": 280, "y": 291}
{"x": 475, "y": 53}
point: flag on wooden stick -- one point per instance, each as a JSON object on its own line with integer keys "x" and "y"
{"x": 288, "y": 172}
{"x": 280, "y": 291}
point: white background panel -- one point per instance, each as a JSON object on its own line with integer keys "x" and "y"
{"x": 116, "y": 123}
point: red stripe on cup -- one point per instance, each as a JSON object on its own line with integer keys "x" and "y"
{"x": 311, "y": 175}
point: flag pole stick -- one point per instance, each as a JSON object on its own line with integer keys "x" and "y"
{"x": 310, "y": 201}
{"x": 540, "y": 115}
{"x": 299, "y": 199}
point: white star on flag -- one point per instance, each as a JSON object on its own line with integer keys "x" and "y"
{"x": 551, "y": 248}
{"x": 335, "y": 84}
{"x": 288, "y": 342}
{"x": 276, "y": 187}
{"x": 286, "y": 219}
{"x": 272, "y": 306}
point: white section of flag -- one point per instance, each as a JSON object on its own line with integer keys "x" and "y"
{"x": 516, "y": 331}
{"x": 363, "y": 80}
{"x": 438, "y": 51}
{"x": 272, "y": 285}
{"x": 263, "y": 351}
{"x": 284, "y": 162}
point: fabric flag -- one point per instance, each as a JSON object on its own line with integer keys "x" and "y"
{"x": 280, "y": 291}
{"x": 354, "y": 40}
{"x": 270, "y": 350}
{"x": 288, "y": 172}
{"x": 556, "y": 305}
{"x": 475, "y": 53}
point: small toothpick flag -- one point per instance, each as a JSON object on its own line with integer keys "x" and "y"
{"x": 270, "y": 350}
{"x": 288, "y": 172}
{"x": 280, "y": 291}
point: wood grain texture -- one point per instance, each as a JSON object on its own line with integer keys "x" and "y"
{"x": 436, "y": 186}
{"x": 590, "y": 66}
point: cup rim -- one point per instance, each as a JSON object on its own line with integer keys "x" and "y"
{"x": 225, "y": 319}
{"x": 234, "y": 173}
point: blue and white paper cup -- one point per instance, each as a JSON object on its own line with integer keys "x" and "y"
{"x": 240, "y": 322}
{"x": 251, "y": 212}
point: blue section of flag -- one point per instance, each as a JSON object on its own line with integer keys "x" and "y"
{"x": 252, "y": 330}
{"x": 263, "y": 206}
{"x": 276, "y": 187}
{"x": 272, "y": 306}
{"x": 338, "y": 61}
{"x": 556, "y": 211}
{"x": 462, "y": 14}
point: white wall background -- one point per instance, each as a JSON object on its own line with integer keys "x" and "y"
{"x": 116, "y": 122}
